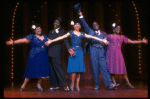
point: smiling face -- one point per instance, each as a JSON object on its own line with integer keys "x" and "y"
{"x": 56, "y": 24}
{"x": 117, "y": 30}
{"x": 77, "y": 26}
{"x": 38, "y": 30}
{"x": 95, "y": 26}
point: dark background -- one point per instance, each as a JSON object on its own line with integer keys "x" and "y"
{"x": 102, "y": 12}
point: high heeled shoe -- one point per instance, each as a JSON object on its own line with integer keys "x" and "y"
{"x": 130, "y": 86}
{"x": 77, "y": 89}
{"x": 71, "y": 89}
{"x": 21, "y": 89}
{"x": 39, "y": 87}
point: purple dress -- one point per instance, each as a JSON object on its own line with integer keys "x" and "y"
{"x": 114, "y": 57}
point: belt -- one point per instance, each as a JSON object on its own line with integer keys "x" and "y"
{"x": 93, "y": 43}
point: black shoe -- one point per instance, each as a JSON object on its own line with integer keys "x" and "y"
{"x": 21, "y": 89}
{"x": 66, "y": 89}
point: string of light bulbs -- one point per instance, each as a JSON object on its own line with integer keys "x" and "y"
{"x": 12, "y": 37}
{"x": 139, "y": 35}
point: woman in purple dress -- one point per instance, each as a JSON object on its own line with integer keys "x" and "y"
{"x": 114, "y": 57}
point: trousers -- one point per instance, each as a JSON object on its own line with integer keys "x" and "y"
{"x": 57, "y": 74}
{"x": 98, "y": 61}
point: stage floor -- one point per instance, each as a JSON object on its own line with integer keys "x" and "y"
{"x": 86, "y": 91}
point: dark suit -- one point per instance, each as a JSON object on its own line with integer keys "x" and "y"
{"x": 57, "y": 74}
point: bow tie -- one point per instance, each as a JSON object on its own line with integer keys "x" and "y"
{"x": 98, "y": 32}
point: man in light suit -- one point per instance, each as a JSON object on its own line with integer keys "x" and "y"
{"x": 97, "y": 54}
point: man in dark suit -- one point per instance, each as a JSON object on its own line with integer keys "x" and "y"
{"x": 97, "y": 54}
{"x": 57, "y": 74}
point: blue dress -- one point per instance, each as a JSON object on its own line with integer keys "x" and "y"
{"x": 76, "y": 63}
{"x": 38, "y": 63}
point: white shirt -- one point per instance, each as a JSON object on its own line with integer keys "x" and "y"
{"x": 57, "y": 30}
{"x": 98, "y": 32}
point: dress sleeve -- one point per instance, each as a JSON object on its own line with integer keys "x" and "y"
{"x": 29, "y": 36}
{"x": 125, "y": 39}
{"x": 108, "y": 36}
{"x": 45, "y": 37}
{"x": 71, "y": 31}
{"x": 82, "y": 33}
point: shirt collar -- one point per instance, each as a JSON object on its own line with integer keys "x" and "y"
{"x": 57, "y": 30}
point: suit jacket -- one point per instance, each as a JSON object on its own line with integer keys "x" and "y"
{"x": 90, "y": 31}
{"x": 55, "y": 49}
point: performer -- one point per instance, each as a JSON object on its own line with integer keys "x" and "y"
{"x": 97, "y": 54}
{"x": 57, "y": 74}
{"x": 114, "y": 56}
{"x": 76, "y": 64}
{"x": 38, "y": 63}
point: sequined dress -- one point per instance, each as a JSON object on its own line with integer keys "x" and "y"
{"x": 114, "y": 57}
{"x": 38, "y": 63}
{"x": 76, "y": 64}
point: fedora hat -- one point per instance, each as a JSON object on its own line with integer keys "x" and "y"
{"x": 77, "y": 7}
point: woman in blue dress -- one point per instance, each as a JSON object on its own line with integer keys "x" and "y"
{"x": 76, "y": 63}
{"x": 38, "y": 63}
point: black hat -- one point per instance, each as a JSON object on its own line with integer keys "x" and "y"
{"x": 61, "y": 20}
{"x": 77, "y": 7}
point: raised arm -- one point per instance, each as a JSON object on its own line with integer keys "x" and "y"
{"x": 96, "y": 38}
{"x": 85, "y": 25}
{"x": 23, "y": 40}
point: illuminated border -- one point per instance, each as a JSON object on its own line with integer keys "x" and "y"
{"x": 139, "y": 35}
{"x": 12, "y": 37}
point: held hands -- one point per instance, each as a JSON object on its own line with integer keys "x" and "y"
{"x": 71, "y": 52}
{"x": 145, "y": 40}
{"x": 106, "y": 42}
{"x": 10, "y": 42}
{"x": 48, "y": 42}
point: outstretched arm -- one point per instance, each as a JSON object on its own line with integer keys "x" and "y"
{"x": 23, "y": 40}
{"x": 138, "y": 41}
{"x": 96, "y": 38}
{"x": 57, "y": 39}
{"x": 85, "y": 25}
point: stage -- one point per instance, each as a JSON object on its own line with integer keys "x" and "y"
{"x": 86, "y": 91}
{"x": 20, "y": 15}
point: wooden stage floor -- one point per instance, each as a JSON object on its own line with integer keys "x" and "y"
{"x": 86, "y": 91}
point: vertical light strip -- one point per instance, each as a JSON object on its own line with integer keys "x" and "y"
{"x": 12, "y": 37}
{"x": 139, "y": 35}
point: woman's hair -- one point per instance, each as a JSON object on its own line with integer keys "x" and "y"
{"x": 114, "y": 25}
{"x": 35, "y": 25}
{"x": 77, "y": 21}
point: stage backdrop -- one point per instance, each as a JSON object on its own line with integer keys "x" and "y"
{"x": 105, "y": 13}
